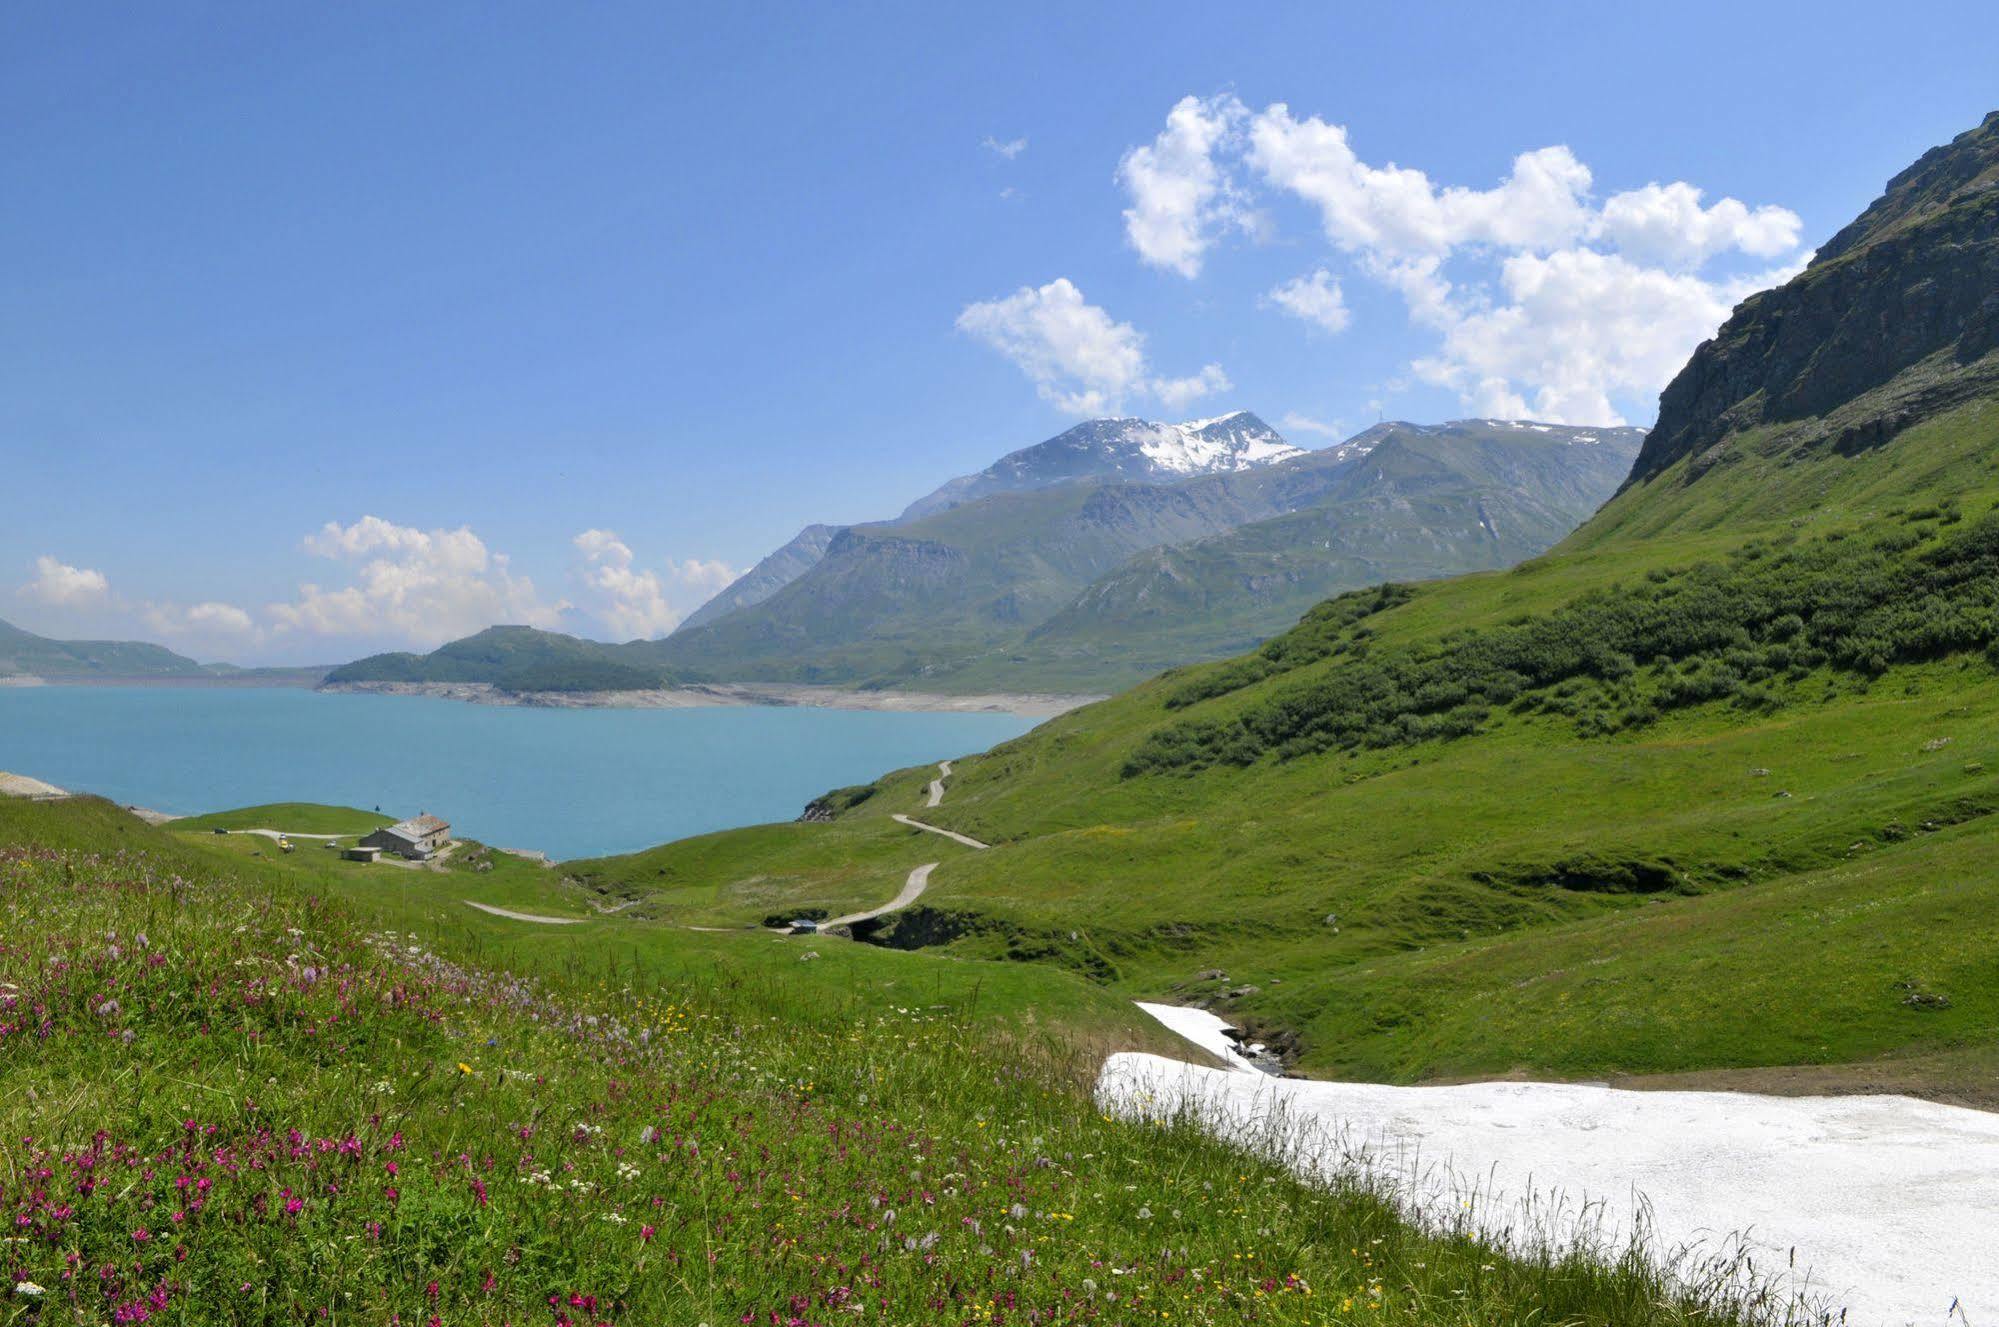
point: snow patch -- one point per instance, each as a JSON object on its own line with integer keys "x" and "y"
{"x": 1888, "y": 1203}
{"x": 1203, "y": 1029}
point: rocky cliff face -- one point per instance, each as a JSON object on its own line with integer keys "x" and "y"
{"x": 1895, "y": 320}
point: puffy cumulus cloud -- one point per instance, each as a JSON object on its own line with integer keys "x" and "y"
{"x": 1179, "y": 393}
{"x": 1543, "y": 299}
{"x": 1395, "y": 212}
{"x": 636, "y": 603}
{"x": 1316, "y": 299}
{"x": 1180, "y": 197}
{"x": 424, "y": 586}
{"x": 1666, "y": 224}
{"x": 1079, "y": 358}
{"x": 59, "y": 584}
{"x": 1576, "y": 327}
{"x": 1008, "y": 148}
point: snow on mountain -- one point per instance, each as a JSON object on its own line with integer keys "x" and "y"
{"x": 1203, "y": 446}
{"x": 1134, "y": 449}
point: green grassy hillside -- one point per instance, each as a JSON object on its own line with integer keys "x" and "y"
{"x": 22, "y": 653}
{"x": 234, "y": 1096}
{"x": 1715, "y": 798}
{"x": 513, "y": 659}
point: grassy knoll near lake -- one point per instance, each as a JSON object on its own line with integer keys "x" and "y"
{"x": 290, "y": 818}
{"x": 233, "y": 1096}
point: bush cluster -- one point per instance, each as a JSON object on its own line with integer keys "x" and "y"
{"x": 1616, "y": 658}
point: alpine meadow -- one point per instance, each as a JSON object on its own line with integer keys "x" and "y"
{"x": 1519, "y": 869}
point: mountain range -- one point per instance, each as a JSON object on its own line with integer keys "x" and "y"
{"x": 1115, "y": 549}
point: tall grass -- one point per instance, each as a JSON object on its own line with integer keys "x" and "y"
{"x": 224, "y": 1104}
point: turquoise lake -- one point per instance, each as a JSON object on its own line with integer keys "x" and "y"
{"x": 572, "y": 783}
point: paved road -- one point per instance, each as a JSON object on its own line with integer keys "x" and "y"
{"x": 511, "y": 915}
{"x": 275, "y": 834}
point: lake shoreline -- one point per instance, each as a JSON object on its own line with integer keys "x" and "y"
{"x": 708, "y": 695}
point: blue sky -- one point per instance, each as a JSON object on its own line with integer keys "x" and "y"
{"x": 589, "y": 306}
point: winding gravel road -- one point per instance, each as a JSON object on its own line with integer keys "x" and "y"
{"x": 912, "y": 889}
{"x": 511, "y": 915}
{"x": 919, "y": 879}
{"x": 937, "y": 784}
{"x": 951, "y": 834}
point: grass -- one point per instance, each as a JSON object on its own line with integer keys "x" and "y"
{"x": 290, "y": 818}
{"x": 230, "y": 1098}
{"x": 1523, "y": 899}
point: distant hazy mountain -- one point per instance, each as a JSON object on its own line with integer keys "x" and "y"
{"x": 767, "y": 577}
{"x": 1086, "y": 584}
{"x": 1020, "y": 578}
{"x": 1135, "y": 449}
{"x": 1417, "y": 503}
{"x": 24, "y": 654}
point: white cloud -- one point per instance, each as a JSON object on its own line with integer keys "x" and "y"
{"x": 1079, "y": 358}
{"x": 65, "y": 586}
{"x": 1009, "y": 149}
{"x": 1666, "y": 224}
{"x": 1316, "y": 299}
{"x": 1294, "y": 422}
{"x": 1394, "y": 212}
{"x": 635, "y": 603}
{"x": 1543, "y": 301}
{"x": 425, "y": 586}
{"x": 1179, "y": 393}
{"x": 210, "y": 618}
{"x": 1180, "y": 199}
{"x": 1576, "y": 327}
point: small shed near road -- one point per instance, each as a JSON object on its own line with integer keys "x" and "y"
{"x": 358, "y": 853}
{"x": 417, "y": 838}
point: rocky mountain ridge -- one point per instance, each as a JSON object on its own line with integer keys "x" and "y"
{"x": 1894, "y": 321}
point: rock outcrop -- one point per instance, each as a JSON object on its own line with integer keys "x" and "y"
{"x": 1895, "y": 320}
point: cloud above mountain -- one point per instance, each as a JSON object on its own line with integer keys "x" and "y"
{"x": 1080, "y": 359}
{"x": 57, "y": 583}
{"x": 1544, "y": 299}
{"x": 421, "y": 586}
{"x": 633, "y": 602}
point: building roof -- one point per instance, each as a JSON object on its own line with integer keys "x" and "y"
{"x": 415, "y": 829}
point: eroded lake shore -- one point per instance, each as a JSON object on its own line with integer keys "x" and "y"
{"x": 1027, "y": 705}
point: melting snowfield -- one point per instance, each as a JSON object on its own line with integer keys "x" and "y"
{"x": 1886, "y": 1207}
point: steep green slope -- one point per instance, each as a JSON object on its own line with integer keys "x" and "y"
{"x": 1895, "y": 322}
{"x": 24, "y": 654}
{"x": 1713, "y": 786}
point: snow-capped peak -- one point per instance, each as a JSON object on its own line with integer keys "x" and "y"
{"x": 1235, "y": 441}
